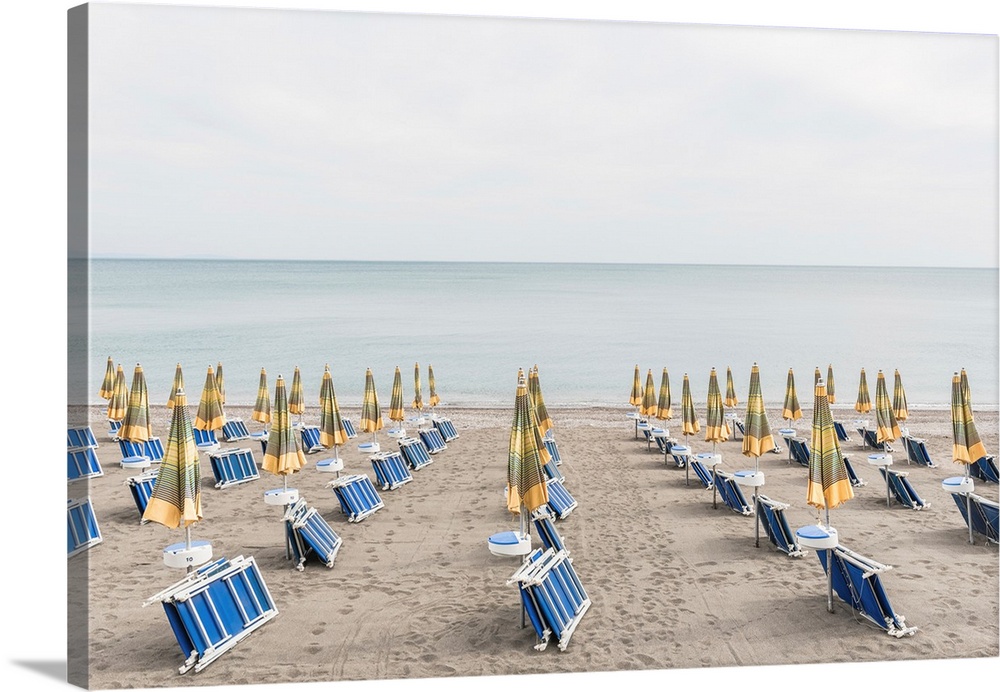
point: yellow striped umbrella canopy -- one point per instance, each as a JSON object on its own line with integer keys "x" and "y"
{"x": 757, "y": 439}
{"x": 731, "y": 400}
{"x": 210, "y": 415}
{"x": 371, "y": 414}
{"x": 220, "y": 384}
{"x": 283, "y": 455}
{"x": 108, "y": 385}
{"x": 690, "y": 421}
{"x": 636, "y": 397}
{"x": 888, "y": 428}
{"x": 791, "y": 410}
{"x": 716, "y": 429}
{"x": 262, "y": 408}
{"x": 433, "y": 399}
{"x": 178, "y": 385}
{"x": 542, "y": 418}
{"x": 966, "y": 394}
{"x": 967, "y": 447}
{"x": 864, "y": 403}
{"x": 418, "y": 397}
{"x": 663, "y": 409}
{"x": 396, "y": 400}
{"x": 830, "y": 396}
{"x": 176, "y": 498}
{"x": 829, "y": 486}
{"x": 331, "y": 427}
{"x": 136, "y": 426}
{"x": 118, "y": 403}
{"x": 647, "y": 405}
{"x": 297, "y": 399}
{"x": 526, "y": 455}
{"x": 899, "y": 399}
{"x": 816, "y": 377}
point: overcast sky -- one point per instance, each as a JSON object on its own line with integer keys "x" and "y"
{"x": 326, "y": 135}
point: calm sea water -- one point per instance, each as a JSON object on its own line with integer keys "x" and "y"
{"x": 585, "y": 326}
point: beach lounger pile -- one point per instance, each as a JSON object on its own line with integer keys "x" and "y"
{"x": 235, "y": 430}
{"x": 141, "y": 489}
{"x": 308, "y": 533}
{"x": 857, "y": 582}
{"x": 560, "y": 501}
{"x": 901, "y": 488}
{"x": 358, "y": 497}
{"x": 310, "y": 439}
{"x": 433, "y": 440}
{"x": 83, "y": 531}
{"x": 391, "y": 470}
{"x": 446, "y": 428}
{"x": 82, "y": 462}
{"x": 214, "y": 608}
{"x": 916, "y": 451}
{"x": 415, "y": 452}
{"x": 233, "y": 466}
{"x": 980, "y": 514}
{"x": 772, "y": 520}
{"x": 151, "y": 450}
{"x": 731, "y": 494}
{"x": 553, "y": 597}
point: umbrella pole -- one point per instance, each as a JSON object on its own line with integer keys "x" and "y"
{"x": 968, "y": 507}
{"x": 715, "y": 481}
{"x": 187, "y": 544}
{"x": 829, "y": 580}
{"x": 523, "y": 560}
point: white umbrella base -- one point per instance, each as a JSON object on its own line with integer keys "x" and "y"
{"x": 180, "y": 556}
{"x": 281, "y": 496}
{"x": 509, "y": 544}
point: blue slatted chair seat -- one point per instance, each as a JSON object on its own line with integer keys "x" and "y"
{"x": 856, "y": 580}
{"x": 732, "y": 494}
{"x": 233, "y": 466}
{"x": 446, "y": 428}
{"x": 82, "y": 436}
{"x": 141, "y": 489}
{"x": 349, "y": 429}
{"x": 553, "y": 596}
{"x": 310, "y": 439}
{"x": 772, "y": 520}
{"x": 309, "y": 533}
{"x": 235, "y": 430}
{"x": 901, "y": 488}
{"x": 560, "y": 501}
{"x": 415, "y": 452}
{"x": 357, "y": 496}
{"x": 433, "y": 440}
{"x": 82, "y": 462}
{"x": 982, "y": 514}
{"x": 553, "y": 450}
{"x": 82, "y": 529}
{"x": 391, "y": 470}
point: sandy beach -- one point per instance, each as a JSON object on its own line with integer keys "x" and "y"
{"x": 675, "y": 583}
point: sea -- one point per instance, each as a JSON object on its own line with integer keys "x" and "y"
{"x": 585, "y": 326}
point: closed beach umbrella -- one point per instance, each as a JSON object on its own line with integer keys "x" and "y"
{"x": 816, "y": 377}
{"x": 967, "y": 447}
{"x": 283, "y": 455}
{"x": 136, "y": 426}
{"x": 220, "y": 384}
{"x": 526, "y": 490}
{"x": 118, "y": 403}
{"x": 396, "y": 399}
{"x": 888, "y": 428}
{"x": 418, "y": 397}
{"x": 108, "y": 385}
{"x": 690, "y": 424}
{"x": 731, "y": 400}
{"x": 757, "y": 439}
{"x": 716, "y": 429}
{"x": 371, "y": 413}
{"x": 432, "y": 398}
{"x": 297, "y": 399}
{"x": 177, "y": 385}
{"x": 542, "y": 418}
{"x": 966, "y": 394}
{"x": 791, "y": 411}
{"x": 262, "y": 407}
{"x": 830, "y": 396}
{"x": 663, "y": 406}
{"x": 899, "y": 399}
{"x": 864, "y": 403}
{"x": 647, "y": 405}
{"x": 331, "y": 427}
{"x": 210, "y": 415}
{"x": 176, "y": 498}
{"x": 828, "y": 486}
{"x": 635, "y": 398}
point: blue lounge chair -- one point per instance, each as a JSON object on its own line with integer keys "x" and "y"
{"x": 141, "y": 489}
{"x": 981, "y": 515}
{"x": 113, "y": 427}
{"x": 349, "y": 429}
{"x": 869, "y": 438}
{"x": 214, "y": 608}
{"x": 357, "y": 496}
{"x": 841, "y": 431}
{"x": 415, "y": 452}
{"x": 856, "y": 480}
{"x": 446, "y": 428}
{"x": 856, "y": 580}
{"x": 985, "y": 469}
{"x": 433, "y": 440}
{"x": 310, "y": 439}
{"x": 560, "y": 501}
{"x": 772, "y": 519}
{"x": 82, "y": 462}
{"x": 308, "y": 533}
{"x": 205, "y": 440}
{"x": 916, "y": 451}
{"x": 732, "y": 494}
{"x": 391, "y": 471}
{"x": 552, "y": 471}
{"x": 553, "y": 450}
{"x": 233, "y": 466}
{"x": 82, "y": 436}
{"x": 901, "y": 488}
{"x": 545, "y": 527}
{"x": 152, "y": 449}
{"x": 799, "y": 450}
{"x": 82, "y": 529}
{"x": 552, "y": 595}
{"x": 235, "y": 430}
{"x": 703, "y": 472}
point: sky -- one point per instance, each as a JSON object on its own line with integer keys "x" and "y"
{"x": 243, "y": 133}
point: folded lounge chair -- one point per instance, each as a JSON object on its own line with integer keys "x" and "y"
{"x": 82, "y": 462}
{"x": 141, "y": 489}
{"x": 552, "y": 471}
{"x": 799, "y": 450}
{"x": 308, "y": 533}
{"x": 553, "y": 597}
{"x": 902, "y": 489}
{"x": 205, "y": 440}
{"x": 310, "y": 439}
{"x": 553, "y": 450}
{"x": 446, "y": 428}
{"x": 545, "y": 527}
{"x": 869, "y": 438}
{"x": 151, "y": 449}
{"x": 358, "y": 497}
{"x": 82, "y": 529}
{"x": 841, "y": 431}
{"x": 981, "y": 515}
{"x": 235, "y": 430}
{"x": 703, "y": 472}
{"x": 732, "y": 494}
{"x": 214, "y": 608}
{"x": 391, "y": 471}
{"x": 856, "y": 580}
{"x": 985, "y": 469}
{"x": 775, "y": 525}
{"x": 349, "y": 429}
{"x": 560, "y": 501}
{"x": 415, "y": 452}
{"x": 916, "y": 451}
{"x": 113, "y": 427}
{"x": 82, "y": 436}
{"x": 432, "y": 438}
{"x": 233, "y": 466}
